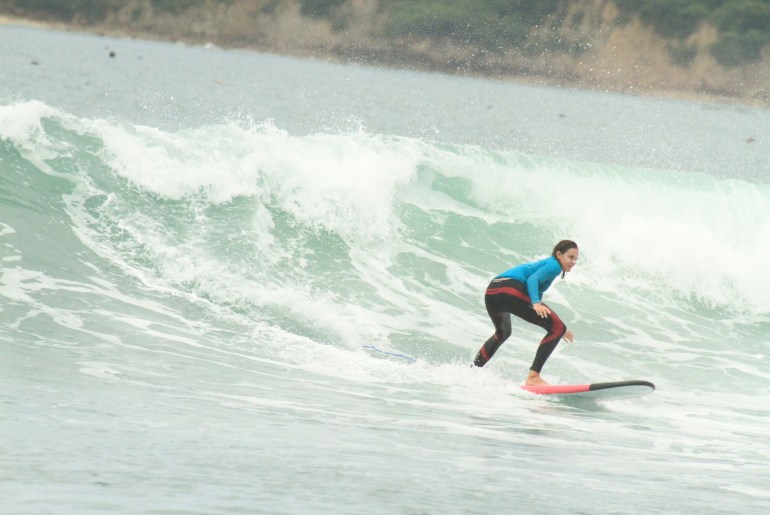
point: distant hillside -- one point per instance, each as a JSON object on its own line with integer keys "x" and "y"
{"x": 688, "y": 48}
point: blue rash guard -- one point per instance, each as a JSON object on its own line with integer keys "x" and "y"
{"x": 537, "y": 275}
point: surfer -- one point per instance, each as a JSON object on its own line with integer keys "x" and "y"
{"x": 519, "y": 291}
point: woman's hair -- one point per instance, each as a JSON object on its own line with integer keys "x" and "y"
{"x": 562, "y": 247}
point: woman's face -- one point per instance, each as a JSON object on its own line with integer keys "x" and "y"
{"x": 567, "y": 259}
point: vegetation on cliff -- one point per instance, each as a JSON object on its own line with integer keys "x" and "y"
{"x": 744, "y": 25}
{"x": 494, "y": 25}
{"x": 705, "y": 47}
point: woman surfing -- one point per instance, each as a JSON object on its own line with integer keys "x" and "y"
{"x": 519, "y": 291}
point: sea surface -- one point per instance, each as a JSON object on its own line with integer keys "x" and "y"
{"x": 235, "y": 282}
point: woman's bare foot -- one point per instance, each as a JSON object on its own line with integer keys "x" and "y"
{"x": 534, "y": 379}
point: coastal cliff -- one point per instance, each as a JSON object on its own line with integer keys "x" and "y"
{"x": 593, "y": 44}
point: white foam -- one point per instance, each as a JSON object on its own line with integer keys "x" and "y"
{"x": 681, "y": 234}
{"x": 21, "y": 122}
{"x": 6, "y": 229}
{"x": 343, "y": 184}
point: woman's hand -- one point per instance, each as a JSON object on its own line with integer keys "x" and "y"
{"x": 541, "y": 309}
{"x": 569, "y": 336}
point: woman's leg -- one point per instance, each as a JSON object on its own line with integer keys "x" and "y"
{"x": 555, "y": 330}
{"x": 508, "y": 297}
{"x": 502, "y": 322}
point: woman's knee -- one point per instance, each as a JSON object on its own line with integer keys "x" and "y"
{"x": 502, "y": 322}
{"x": 503, "y": 331}
{"x": 555, "y": 328}
{"x": 558, "y": 326}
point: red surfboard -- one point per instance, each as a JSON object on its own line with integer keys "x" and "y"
{"x": 605, "y": 390}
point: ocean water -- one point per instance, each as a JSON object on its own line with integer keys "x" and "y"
{"x": 198, "y": 246}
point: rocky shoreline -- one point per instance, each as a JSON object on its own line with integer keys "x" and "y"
{"x": 626, "y": 59}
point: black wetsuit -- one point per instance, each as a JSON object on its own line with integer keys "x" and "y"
{"x": 506, "y": 296}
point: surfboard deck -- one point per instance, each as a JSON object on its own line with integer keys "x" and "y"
{"x": 614, "y": 390}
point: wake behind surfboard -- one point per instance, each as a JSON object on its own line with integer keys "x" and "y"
{"x": 616, "y": 390}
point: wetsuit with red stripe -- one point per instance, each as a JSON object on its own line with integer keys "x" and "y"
{"x": 514, "y": 292}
